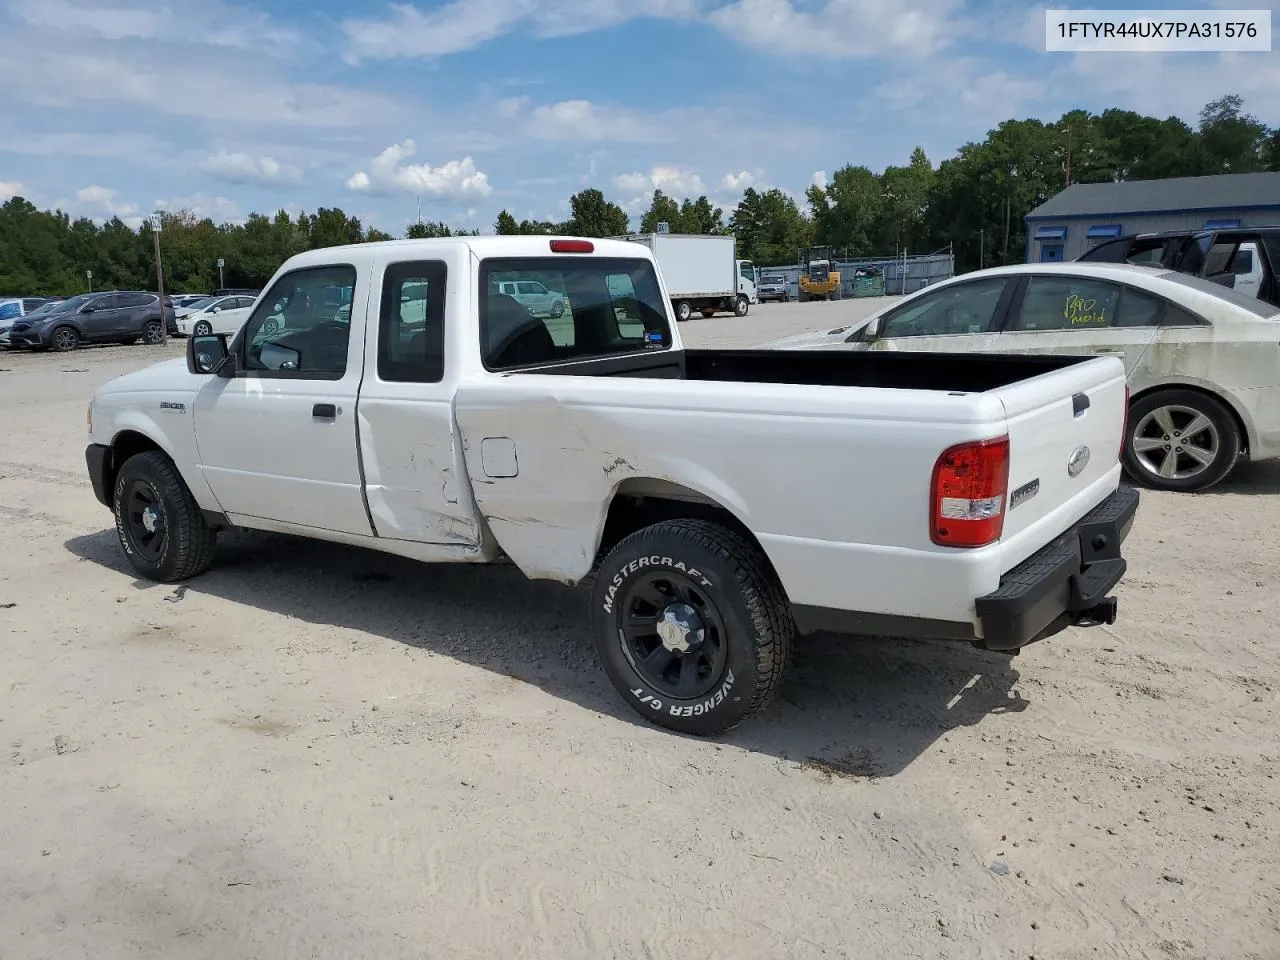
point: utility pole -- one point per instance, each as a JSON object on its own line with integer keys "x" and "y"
{"x": 982, "y": 247}
{"x": 221, "y": 283}
{"x": 156, "y": 221}
{"x": 1007, "y": 205}
{"x": 88, "y": 279}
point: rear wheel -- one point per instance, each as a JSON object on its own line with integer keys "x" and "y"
{"x": 691, "y": 625}
{"x": 153, "y": 332}
{"x": 64, "y": 339}
{"x": 1180, "y": 440}
{"x": 684, "y": 310}
{"x": 159, "y": 524}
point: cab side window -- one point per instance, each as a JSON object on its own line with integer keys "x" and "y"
{"x": 294, "y": 331}
{"x": 411, "y": 322}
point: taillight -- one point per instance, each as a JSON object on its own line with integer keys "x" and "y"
{"x": 966, "y": 498}
{"x": 572, "y": 246}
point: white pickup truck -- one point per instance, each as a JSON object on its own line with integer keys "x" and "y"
{"x": 721, "y": 502}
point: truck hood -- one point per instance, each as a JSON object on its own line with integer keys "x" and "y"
{"x": 165, "y": 375}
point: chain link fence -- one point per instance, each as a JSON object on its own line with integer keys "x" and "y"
{"x": 881, "y": 276}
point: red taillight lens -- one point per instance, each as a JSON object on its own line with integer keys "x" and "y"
{"x": 572, "y": 246}
{"x": 967, "y": 495}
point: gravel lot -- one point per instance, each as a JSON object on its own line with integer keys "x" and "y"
{"x": 320, "y": 752}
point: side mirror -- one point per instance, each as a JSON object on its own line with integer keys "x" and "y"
{"x": 869, "y": 333}
{"x": 207, "y": 354}
{"x": 216, "y": 310}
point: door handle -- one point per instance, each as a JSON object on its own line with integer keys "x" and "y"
{"x": 324, "y": 411}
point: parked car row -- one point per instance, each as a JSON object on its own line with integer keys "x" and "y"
{"x": 1200, "y": 359}
{"x": 115, "y": 316}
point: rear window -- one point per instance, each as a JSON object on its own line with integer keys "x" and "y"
{"x": 583, "y": 308}
{"x": 1252, "y": 304}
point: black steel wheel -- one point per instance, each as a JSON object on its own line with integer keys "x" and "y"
{"x": 145, "y": 523}
{"x": 691, "y": 625}
{"x": 158, "y": 522}
{"x": 673, "y": 634}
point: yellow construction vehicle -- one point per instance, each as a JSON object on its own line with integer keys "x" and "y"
{"x": 819, "y": 280}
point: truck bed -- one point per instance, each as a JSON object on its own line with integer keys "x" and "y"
{"x": 948, "y": 372}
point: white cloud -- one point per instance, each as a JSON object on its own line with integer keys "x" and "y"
{"x": 455, "y": 180}
{"x": 239, "y": 91}
{"x": 208, "y": 22}
{"x": 219, "y": 209}
{"x": 841, "y": 29}
{"x": 672, "y": 181}
{"x": 242, "y": 168}
{"x": 99, "y": 199}
{"x": 739, "y": 181}
{"x": 819, "y": 179}
{"x": 465, "y": 24}
{"x": 584, "y": 120}
{"x": 10, "y": 189}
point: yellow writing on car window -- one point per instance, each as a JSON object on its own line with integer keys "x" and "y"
{"x": 1080, "y": 312}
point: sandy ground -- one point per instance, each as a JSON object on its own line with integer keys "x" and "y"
{"x": 320, "y": 752}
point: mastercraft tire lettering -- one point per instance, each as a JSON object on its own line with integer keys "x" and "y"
{"x": 691, "y": 625}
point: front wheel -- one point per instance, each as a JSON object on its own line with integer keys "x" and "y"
{"x": 64, "y": 339}
{"x": 158, "y": 522}
{"x": 691, "y": 625}
{"x": 1180, "y": 440}
{"x": 202, "y": 329}
{"x": 557, "y": 310}
{"x": 740, "y": 307}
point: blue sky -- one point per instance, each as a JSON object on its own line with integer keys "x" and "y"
{"x": 117, "y": 107}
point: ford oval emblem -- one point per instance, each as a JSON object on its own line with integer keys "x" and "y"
{"x": 1078, "y": 460}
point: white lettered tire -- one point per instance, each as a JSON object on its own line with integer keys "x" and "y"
{"x": 691, "y": 625}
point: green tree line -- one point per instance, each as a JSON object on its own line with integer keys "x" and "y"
{"x": 975, "y": 202}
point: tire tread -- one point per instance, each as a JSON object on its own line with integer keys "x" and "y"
{"x": 761, "y": 592}
{"x": 194, "y": 541}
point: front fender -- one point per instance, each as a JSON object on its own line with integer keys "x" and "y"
{"x": 129, "y": 424}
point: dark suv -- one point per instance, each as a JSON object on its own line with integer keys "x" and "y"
{"x": 121, "y": 316}
{"x": 1245, "y": 259}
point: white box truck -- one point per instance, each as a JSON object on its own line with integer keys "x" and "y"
{"x": 701, "y": 272}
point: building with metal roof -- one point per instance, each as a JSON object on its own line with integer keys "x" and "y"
{"x": 1085, "y": 214}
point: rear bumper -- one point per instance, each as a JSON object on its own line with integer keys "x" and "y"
{"x": 98, "y": 459}
{"x": 1064, "y": 584}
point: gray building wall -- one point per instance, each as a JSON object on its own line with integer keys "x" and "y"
{"x": 1077, "y": 226}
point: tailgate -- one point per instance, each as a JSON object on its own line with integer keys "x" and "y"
{"x": 1065, "y": 432}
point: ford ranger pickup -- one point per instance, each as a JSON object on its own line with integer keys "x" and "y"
{"x": 718, "y": 502}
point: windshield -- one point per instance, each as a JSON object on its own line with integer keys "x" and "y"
{"x": 10, "y": 309}
{"x": 772, "y": 280}
{"x": 73, "y": 304}
{"x": 202, "y": 303}
{"x": 1259, "y": 308}
{"x": 45, "y": 308}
